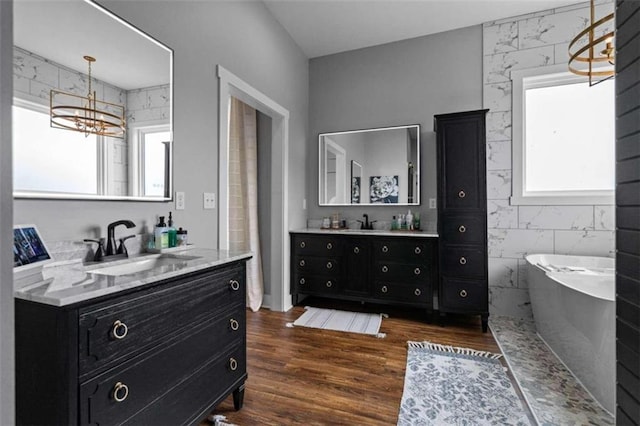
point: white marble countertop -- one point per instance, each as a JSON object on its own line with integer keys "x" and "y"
{"x": 379, "y": 232}
{"x": 73, "y": 282}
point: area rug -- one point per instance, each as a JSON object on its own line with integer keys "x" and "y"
{"x": 446, "y": 385}
{"x": 332, "y": 319}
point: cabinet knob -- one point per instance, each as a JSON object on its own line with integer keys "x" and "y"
{"x": 120, "y": 392}
{"x": 461, "y": 194}
{"x": 356, "y": 250}
{"x": 418, "y": 292}
{"x": 384, "y": 289}
{"x": 233, "y": 364}
{"x": 329, "y": 246}
{"x": 417, "y": 271}
{"x": 385, "y": 268}
{"x": 329, "y": 265}
{"x": 463, "y": 293}
{"x": 462, "y": 229}
{"x": 302, "y": 281}
{"x": 329, "y": 284}
{"x": 303, "y": 244}
{"x": 463, "y": 260}
{"x": 385, "y": 249}
{"x": 417, "y": 250}
{"x": 119, "y": 330}
{"x": 302, "y": 262}
{"x": 234, "y": 324}
{"x": 234, "y": 284}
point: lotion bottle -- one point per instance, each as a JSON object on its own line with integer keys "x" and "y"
{"x": 409, "y": 219}
{"x": 160, "y": 234}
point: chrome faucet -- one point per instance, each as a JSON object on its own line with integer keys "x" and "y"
{"x": 111, "y": 239}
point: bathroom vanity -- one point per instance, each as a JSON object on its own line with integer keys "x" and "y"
{"x": 164, "y": 345}
{"x": 390, "y": 267}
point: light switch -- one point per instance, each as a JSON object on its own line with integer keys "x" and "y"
{"x": 180, "y": 201}
{"x": 209, "y": 199}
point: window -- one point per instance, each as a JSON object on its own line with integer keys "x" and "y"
{"x": 563, "y": 138}
{"x": 152, "y": 148}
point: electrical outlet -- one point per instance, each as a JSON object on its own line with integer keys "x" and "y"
{"x": 304, "y": 204}
{"x": 180, "y": 201}
{"x": 209, "y": 199}
{"x": 432, "y": 203}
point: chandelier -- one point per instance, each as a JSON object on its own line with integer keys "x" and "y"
{"x": 86, "y": 114}
{"x": 591, "y": 54}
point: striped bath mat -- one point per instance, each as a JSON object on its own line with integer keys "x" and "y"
{"x": 332, "y": 319}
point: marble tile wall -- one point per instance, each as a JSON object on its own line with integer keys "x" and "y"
{"x": 535, "y": 40}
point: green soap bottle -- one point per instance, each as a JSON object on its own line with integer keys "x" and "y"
{"x": 173, "y": 234}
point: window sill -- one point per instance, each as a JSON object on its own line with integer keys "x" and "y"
{"x": 562, "y": 200}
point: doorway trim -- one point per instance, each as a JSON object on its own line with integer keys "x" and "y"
{"x": 229, "y": 85}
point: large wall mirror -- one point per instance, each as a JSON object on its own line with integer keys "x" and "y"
{"x": 373, "y": 166}
{"x": 132, "y": 81}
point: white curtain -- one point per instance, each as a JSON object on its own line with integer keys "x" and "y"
{"x": 243, "y": 195}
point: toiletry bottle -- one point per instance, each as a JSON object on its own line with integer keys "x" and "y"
{"x": 182, "y": 237}
{"x": 416, "y": 221}
{"x": 171, "y": 232}
{"x": 160, "y": 234}
{"x": 394, "y": 224}
{"x": 409, "y": 221}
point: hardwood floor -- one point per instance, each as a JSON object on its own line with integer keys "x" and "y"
{"x": 318, "y": 377}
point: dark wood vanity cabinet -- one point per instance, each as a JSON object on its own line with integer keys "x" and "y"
{"x": 167, "y": 353}
{"x": 379, "y": 269}
{"x": 462, "y": 213}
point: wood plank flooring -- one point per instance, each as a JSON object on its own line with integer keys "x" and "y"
{"x": 303, "y": 376}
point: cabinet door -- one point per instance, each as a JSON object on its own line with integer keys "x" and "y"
{"x": 464, "y": 261}
{"x": 356, "y": 257}
{"x": 463, "y": 229}
{"x": 464, "y": 295}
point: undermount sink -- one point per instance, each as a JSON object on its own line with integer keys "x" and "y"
{"x": 167, "y": 262}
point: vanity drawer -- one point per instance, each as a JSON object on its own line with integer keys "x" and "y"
{"x": 316, "y": 265}
{"x": 464, "y": 261}
{"x": 464, "y": 295}
{"x": 405, "y": 272}
{"x": 310, "y": 283}
{"x": 315, "y": 245}
{"x": 409, "y": 251}
{"x": 402, "y": 292}
{"x": 115, "y": 330}
{"x": 463, "y": 229}
{"x": 143, "y": 379}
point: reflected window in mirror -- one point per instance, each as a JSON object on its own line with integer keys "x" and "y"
{"x": 152, "y": 150}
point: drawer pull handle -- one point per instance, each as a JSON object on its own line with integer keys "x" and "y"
{"x": 235, "y": 325}
{"x": 329, "y": 284}
{"x": 302, "y": 281}
{"x": 385, "y": 249}
{"x": 462, "y": 229}
{"x": 417, "y": 271}
{"x": 418, "y": 292}
{"x": 233, "y": 364}
{"x": 329, "y": 246}
{"x": 303, "y": 244}
{"x": 385, "y": 269}
{"x": 417, "y": 250}
{"x": 329, "y": 265}
{"x": 120, "y": 392}
{"x": 356, "y": 250}
{"x": 119, "y": 330}
{"x": 463, "y": 261}
{"x": 235, "y": 285}
{"x": 461, "y": 194}
{"x": 302, "y": 262}
{"x": 384, "y": 289}
{"x": 463, "y": 293}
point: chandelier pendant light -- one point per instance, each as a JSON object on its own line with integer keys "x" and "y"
{"x": 86, "y": 114}
{"x": 593, "y": 55}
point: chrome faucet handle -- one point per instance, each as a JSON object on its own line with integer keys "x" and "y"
{"x": 122, "y": 248}
{"x": 99, "y": 254}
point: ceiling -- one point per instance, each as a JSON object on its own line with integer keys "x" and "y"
{"x": 324, "y": 27}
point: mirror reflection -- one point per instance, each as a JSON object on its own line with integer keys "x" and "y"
{"x": 372, "y": 166}
{"x": 76, "y": 58}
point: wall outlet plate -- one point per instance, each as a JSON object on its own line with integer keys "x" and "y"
{"x": 432, "y": 203}
{"x": 180, "y": 200}
{"x": 209, "y": 200}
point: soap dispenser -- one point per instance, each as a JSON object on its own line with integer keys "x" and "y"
{"x": 172, "y": 233}
{"x": 160, "y": 234}
{"x": 409, "y": 219}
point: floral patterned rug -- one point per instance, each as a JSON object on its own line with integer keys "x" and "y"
{"x": 446, "y": 385}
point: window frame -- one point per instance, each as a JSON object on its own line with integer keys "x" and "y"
{"x": 555, "y": 75}
{"x": 137, "y": 155}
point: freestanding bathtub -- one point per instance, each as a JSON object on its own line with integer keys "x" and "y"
{"x": 573, "y": 302}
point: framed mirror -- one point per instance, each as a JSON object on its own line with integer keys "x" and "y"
{"x": 109, "y": 86}
{"x": 378, "y": 166}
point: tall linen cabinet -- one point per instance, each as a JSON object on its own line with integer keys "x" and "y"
{"x": 462, "y": 213}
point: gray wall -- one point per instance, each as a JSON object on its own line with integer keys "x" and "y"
{"x": 245, "y": 39}
{"x": 405, "y": 82}
{"x": 264, "y": 196}
{"x": 7, "y": 401}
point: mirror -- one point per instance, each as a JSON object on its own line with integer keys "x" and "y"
{"x": 373, "y": 166}
{"x": 131, "y": 70}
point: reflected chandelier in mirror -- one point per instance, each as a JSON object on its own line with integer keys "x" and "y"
{"x": 135, "y": 71}
{"x": 378, "y": 166}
